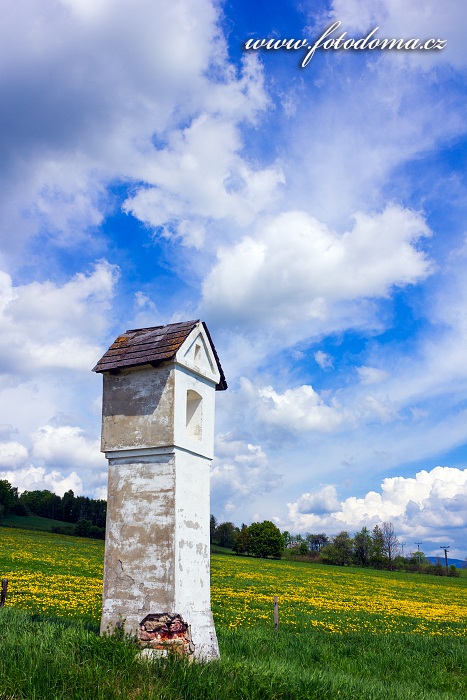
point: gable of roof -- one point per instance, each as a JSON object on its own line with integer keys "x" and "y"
{"x": 155, "y": 345}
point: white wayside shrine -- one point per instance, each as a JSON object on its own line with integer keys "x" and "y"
{"x": 158, "y": 436}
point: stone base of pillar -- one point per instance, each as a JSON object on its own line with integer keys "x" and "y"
{"x": 157, "y": 563}
{"x": 159, "y": 633}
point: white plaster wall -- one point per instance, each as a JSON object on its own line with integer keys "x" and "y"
{"x": 138, "y": 408}
{"x": 157, "y": 555}
{"x": 185, "y": 380}
{"x": 192, "y": 550}
{"x": 139, "y": 571}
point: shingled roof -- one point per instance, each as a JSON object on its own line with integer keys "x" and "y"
{"x": 142, "y": 346}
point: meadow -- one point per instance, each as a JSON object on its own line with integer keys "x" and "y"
{"x": 343, "y": 632}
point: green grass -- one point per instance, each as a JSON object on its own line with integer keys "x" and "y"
{"x": 32, "y": 522}
{"x": 216, "y": 549}
{"x": 52, "y": 659}
{"x": 50, "y": 648}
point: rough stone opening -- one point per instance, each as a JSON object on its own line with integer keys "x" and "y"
{"x": 166, "y": 632}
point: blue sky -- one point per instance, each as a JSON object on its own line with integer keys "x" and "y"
{"x": 152, "y": 170}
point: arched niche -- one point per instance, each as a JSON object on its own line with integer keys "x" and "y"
{"x": 194, "y": 415}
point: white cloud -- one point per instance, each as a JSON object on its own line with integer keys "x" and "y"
{"x": 324, "y": 360}
{"x": 33, "y": 478}
{"x": 318, "y": 503}
{"x": 49, "y": 326}
{"x": 201, "y": 175}
{"x": 52, "y": 337}
{"x": 264, "y": 282}
{"x": 67, "y": 449}
{"x": 12, "y": 454}
{"x": 66, "y": 445}
{"x": 371, "y": 375}
{"x": 100, "y": 493}
{"x": 240, "y": 473}
{"x": 101, "y": 109}
{"x": 298, "y": 410}
{"x": 431, "y": 506}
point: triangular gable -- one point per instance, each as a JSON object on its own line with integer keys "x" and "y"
{"x": 196, "y": 354}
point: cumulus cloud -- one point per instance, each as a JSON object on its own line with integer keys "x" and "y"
{"x": 46, "y": 325}
{"x": 431, "y": 506}
{"x": 318, "y": 503}
{"x": 33, "y": 478}
{"x": 12, "y": 454}
{"x": 301, "y": 410}
{"x": 260, "y": 280}
{"x": 57, "y": 460}
{"x": 100, "y": 109}
{"x": 298, "y": 410}
{"x": 201, "y": 175}
{"x": 240, "y": 473}
{"x": 53, "y": 334}
{"x": 68, "y": 445}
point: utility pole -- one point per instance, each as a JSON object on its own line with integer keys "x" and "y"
{"x": 419, "y": 560}
{"x": 446, "y": 557}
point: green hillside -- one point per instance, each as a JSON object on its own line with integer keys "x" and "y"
{"x": 31, "y": 522}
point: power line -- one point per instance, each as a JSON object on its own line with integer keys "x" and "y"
{"x": 446, "y": 556}
{"x": 419, "y": 557}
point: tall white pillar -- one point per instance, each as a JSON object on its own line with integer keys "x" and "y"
{"x": 158, "y": 435}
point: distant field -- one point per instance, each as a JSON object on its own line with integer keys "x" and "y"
{"x": 63, "y": 576}
{"x": 32, "y": 522}
{"x": 343, "y": 632}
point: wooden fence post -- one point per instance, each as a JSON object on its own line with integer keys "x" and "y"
{"x": 3, "y": 593}
{"x": 276, "y": 613}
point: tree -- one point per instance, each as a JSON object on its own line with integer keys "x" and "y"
{"x": 339, "y": 551}
{"x": 343, "y": 544}
{"x": 362, "y": 547}
{"x": 226, "y": 534}
{"x": 83, "y": 528}
{"x": 316, "y": 542}
{"x": 212, "y": 527}
{"x": 8, "y": 497}
{"x": 377, "y": 547}
{"x": 67, "y": 506}
{"x": 242, "y": 540}
{"x": 266, "y": 540}
{"x": 390, "y": 542}
{"x": 417, "y": 560}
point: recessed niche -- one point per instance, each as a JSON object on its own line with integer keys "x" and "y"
{"x": 194, "y": 415}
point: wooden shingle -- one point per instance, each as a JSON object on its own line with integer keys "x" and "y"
{"x": 155, "y": 345}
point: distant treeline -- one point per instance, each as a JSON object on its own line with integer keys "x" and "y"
{"x": 85, "y": 515}
{"x": 378, "y": 548}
